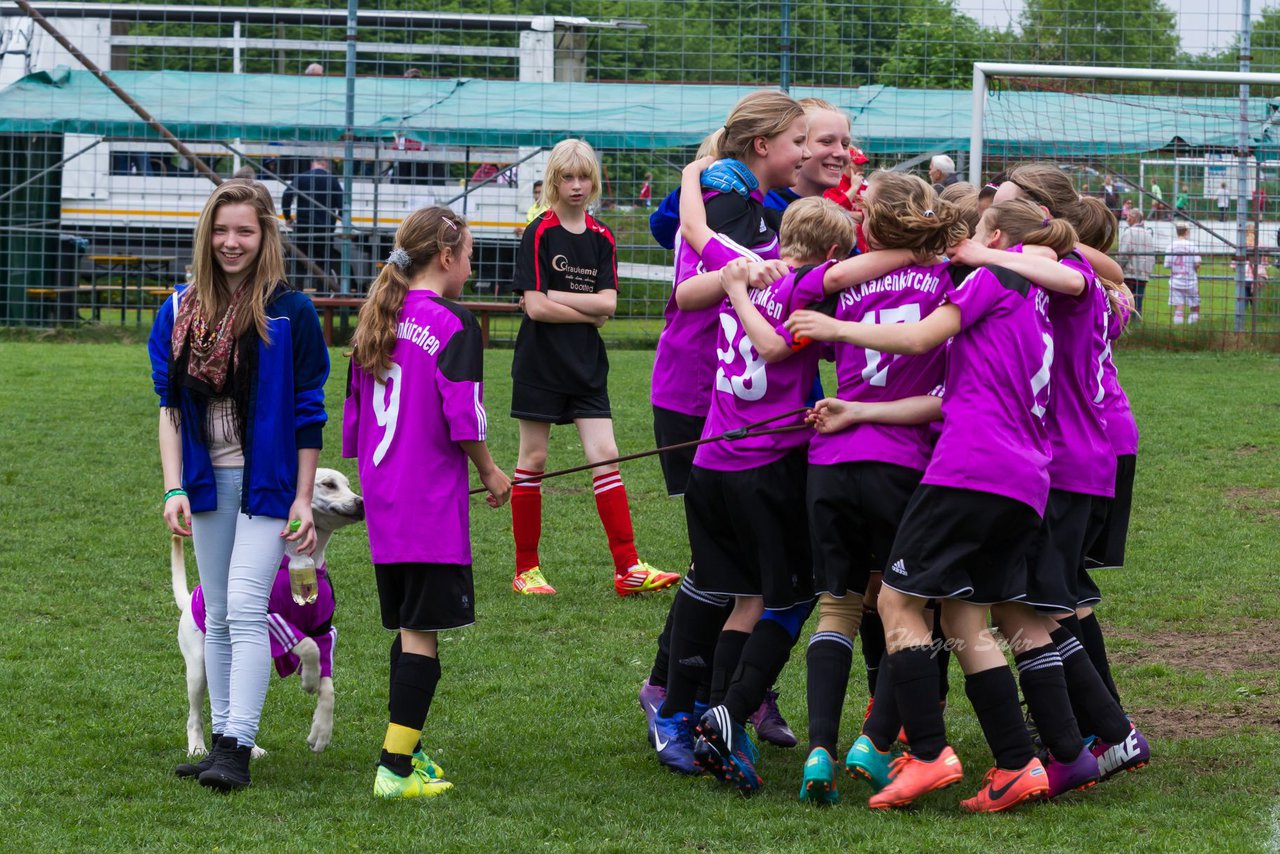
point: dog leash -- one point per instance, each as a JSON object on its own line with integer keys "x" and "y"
{"x": 749, "y": 431}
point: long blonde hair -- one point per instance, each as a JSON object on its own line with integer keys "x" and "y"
{"x": 570, "y": 157}
{"x": 763, "y": 113}
{"x": 208, "y": 281}
{"x": 422, "y": 235}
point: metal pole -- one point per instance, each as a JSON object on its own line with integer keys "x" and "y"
{"x": 348, "y": 151}
{"x": 975, "y": 129}
{"x": 784, "y": 81}
{"x": 1242, "y": 165}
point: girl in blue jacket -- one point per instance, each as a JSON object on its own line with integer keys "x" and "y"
{"x": 239, "y": 364}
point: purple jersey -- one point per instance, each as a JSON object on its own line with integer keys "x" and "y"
{"x": 1083, "y": 460}
{"x": 1122, "y": 429}
{"x": 903, "y": 296}
{"x": 683, "y": 368}
{"x": 997, "y": 387}
{"x": 404, "y": 428}
{"x": 747, "y": 389}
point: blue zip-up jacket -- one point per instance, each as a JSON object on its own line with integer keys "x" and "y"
{"x": 286, "y": 406}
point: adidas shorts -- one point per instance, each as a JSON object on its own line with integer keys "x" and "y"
{"x": 1056, "y": 577}
{"x": 425, "y": 597}
{"x": 749, "y": 531}
{"x": 672, "y": 428}
{"x": 854, "y": 511}
{"x": 1107, "y": 550}
{"x": 962, "y": 544}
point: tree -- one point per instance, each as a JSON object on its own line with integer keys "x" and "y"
{"x": 1137, "y": 33}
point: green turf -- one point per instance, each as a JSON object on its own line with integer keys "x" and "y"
{"x": 536, "y": 719}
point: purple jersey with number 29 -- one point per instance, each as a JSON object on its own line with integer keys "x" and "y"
{"x": 997, "y": 388}
{"x": 903, "y": 296}
{"x": 747, "y": 389}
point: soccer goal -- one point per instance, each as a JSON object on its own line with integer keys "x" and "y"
{"x": 1187, "y": 148}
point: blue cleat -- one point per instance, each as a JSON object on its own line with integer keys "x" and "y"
{"x": 819, "y": 783}
{"x": 865, "y": 762}
{"x": 672, "y": 739}
{"x": 726, "y": 750}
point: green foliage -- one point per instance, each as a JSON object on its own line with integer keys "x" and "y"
{"x": 1137, "y": 33}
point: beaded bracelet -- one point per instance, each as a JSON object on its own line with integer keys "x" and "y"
{"x": 173, "y": 492}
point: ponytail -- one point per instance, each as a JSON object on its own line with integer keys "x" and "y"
{"x": 1022, "y": 221}
{"x": 904, "y": 212}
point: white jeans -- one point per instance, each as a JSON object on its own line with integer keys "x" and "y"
{"x": 238, "y": 557}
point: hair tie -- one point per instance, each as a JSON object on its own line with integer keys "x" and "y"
{"x": 1045, "y": 224}
{"x": 449, "y": 222}
{"x": 929, "y": 212}
{"x": 400, "y": 258}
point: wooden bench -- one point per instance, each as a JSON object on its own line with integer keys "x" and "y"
{"x": 326, "y": 306}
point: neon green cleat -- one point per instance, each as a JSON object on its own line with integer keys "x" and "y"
{"x": 424, "y": 763}
{"x": 819, "y": 783}
{"x": 532, "y": 583}
{"x": 391, "y": 786}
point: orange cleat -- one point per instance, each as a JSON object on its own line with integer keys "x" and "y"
{"x": 1003, "y": 790}
{"x": 643, "y": 578}
{"x": 531, "y": 583}
{"x": 910, "y": 777}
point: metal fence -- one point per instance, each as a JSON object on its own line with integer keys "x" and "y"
{"x": 409, "y": 107}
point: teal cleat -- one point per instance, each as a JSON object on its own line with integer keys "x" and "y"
{"x": 867, "y": 763}
{"x": 819, "y": 783}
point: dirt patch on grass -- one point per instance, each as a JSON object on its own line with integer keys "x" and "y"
{"x": 1261, "y": 502}
{"x": 1249, "y": 650}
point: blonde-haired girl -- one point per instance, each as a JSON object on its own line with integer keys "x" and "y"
{"x": 414, "y": 404}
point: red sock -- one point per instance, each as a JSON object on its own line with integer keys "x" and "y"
{"x": 526, "y": 519}
{"x": 611, "y": 504}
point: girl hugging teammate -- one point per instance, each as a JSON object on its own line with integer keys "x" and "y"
{"x": 414, "y": 405}
{"x": 566, "y": 272}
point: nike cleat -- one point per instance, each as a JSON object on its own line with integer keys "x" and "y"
{"x": 865, "y": 762}
{"x": 1078, "y": 774}
{"x": 1003, "y": 790}
{"x": 910, "y": 777}
{"x": 819, "y": 783}
{"x": 643, "y": 578}
{"x": 651, "y": 699}
{"x": 531, "y": 583}
{"x": 769, "y": 723}
{"x": 672, "y": 739}
{"x": 1129, "y": 755}
{"x": 725, "y": 750}
{"x": 391, "y": 786}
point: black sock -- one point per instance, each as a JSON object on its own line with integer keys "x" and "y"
{"x": 1091, "y": 637}
{"x": 914, "y": 676}
{"x": 1044, "y": 684}
{"x": 871, "y": 633}
{"x": 662, "y": 661}
{"x": 1071, "y": 624}
{"x": 882, "y": 725}
{"x": 828, "y": 661}
{"x": 763, "y": 656}
{"x": 694, "y": 630}
{"x": 412, "y": 687}
{"x": 943, "y": 658}
{"x": 994, "y": 696}
{"x": 729, "y": 648}
{"x": 1088, "y": 693}
{"x": 396, "y": 648}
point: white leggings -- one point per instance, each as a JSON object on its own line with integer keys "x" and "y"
{"x": 238, "y": 557}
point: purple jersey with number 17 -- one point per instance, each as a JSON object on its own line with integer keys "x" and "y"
{"x": 997, "y": 387}
{"x": 1083, "y": 460}
{"x": 903, "y": 296}
{"x": 748, "y": 390}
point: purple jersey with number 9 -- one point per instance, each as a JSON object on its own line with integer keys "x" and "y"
{"x": 904, "y": 296}
{"x": 997, "y": 389}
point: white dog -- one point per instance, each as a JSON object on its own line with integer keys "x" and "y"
{"x": 301, "y": 636}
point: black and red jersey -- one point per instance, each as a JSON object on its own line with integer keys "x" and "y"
{"x": 565, "y": 357}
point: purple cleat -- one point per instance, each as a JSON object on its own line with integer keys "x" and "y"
{"x": 1129, "y": 755}
{"x": 1080, "y": 773}
{"x": 770, "y": 725}
{"x": 651, "y": 700}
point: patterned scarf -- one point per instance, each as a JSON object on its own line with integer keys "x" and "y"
{"x": 212, "y": 351}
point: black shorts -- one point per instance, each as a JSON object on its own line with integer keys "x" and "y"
{"x": 854, "y": 512}
{"x": 1056, "y": 578}
{"x": 531, "y": 403}
{"x": 425, "y": 597}
{"x": 962, "y": 544}
{"x": 1107, "y": 550}
{"x": 672, "y": 428}
{"x": 749, "y": 532}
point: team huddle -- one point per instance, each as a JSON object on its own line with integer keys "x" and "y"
{"x": 973, "y": 464}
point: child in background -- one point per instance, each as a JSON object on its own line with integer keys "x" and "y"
{"x": 566, "y": 272}
{"x": 1184, "y": 276}
{"x": 646, "y": 190}
{"x": 414, "y": 392}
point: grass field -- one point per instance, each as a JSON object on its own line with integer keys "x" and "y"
{"x": 536, "y": 719}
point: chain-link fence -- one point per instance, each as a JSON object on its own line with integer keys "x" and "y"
{"x": 460, "y": 104}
